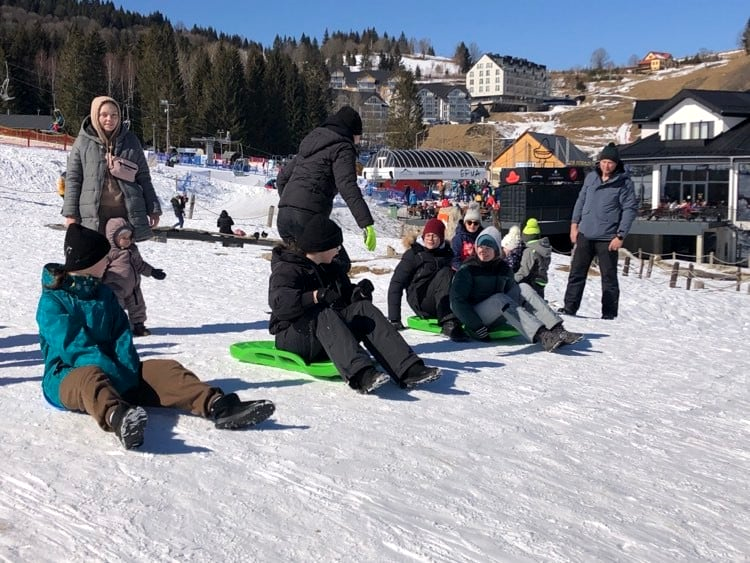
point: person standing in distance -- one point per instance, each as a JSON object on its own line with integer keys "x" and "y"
{"x": 324, "y": 166}
{"x": 603, "y": 214}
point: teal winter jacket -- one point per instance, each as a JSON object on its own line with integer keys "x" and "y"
{"x": 81, "y": 324}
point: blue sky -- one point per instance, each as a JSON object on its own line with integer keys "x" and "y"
{"x": 544, "y": 31}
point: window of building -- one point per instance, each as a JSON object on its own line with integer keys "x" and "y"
{"x": 674, "y": 131}
{"x": 702, "y": 130}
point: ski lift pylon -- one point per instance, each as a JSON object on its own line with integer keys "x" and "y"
{"x": 5, "y": 85}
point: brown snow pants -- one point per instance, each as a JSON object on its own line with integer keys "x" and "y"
{"x": 163, "y": 383}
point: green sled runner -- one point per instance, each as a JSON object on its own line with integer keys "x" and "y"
{"x": 264, "y": 353}
{"x": 431, "y": 325}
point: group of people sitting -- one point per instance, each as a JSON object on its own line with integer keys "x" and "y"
{"x": 468, "y": 286}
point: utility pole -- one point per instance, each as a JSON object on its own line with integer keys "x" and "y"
{"x": 166, "y": 105}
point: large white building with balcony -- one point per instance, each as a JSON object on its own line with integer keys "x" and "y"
{"x": 497, "y": 79}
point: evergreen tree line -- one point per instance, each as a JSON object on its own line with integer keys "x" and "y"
{"x": 61, "y": 54}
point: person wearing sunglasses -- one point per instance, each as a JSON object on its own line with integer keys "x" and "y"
{"x": 466, "y": 235}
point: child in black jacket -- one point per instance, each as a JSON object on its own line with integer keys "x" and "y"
{"x": 317, "y": 313}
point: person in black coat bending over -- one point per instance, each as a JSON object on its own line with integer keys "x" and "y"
{"x": 317, "y": 313}
{"x": 324, "y": 166}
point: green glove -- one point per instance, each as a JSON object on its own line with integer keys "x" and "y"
{"x": 370, "y": 238}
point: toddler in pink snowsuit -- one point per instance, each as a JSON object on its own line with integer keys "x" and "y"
{"x": 123, "y": 273}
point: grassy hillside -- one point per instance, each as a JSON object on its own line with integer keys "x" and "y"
{"x": 608, "y": 105}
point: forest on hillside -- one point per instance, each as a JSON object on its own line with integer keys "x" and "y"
{"x": 61, "y": 53}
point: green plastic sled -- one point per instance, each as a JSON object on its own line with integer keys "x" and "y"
{"x": 431, "y": 325}
{"x": 264, "y": 353}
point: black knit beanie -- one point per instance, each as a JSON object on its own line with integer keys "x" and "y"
{"x": 83, "y": 248}
{"x": 610, "y": 152}
{"x": 320, "y": 234}
{"x": 346, "y": 121}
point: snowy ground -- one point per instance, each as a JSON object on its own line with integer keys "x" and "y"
{"x": 630, "y": 446}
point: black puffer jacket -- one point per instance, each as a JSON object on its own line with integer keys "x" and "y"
{"x": 293, "y": 279}
{"x": 476, "y": 281}
{"x": 324, "y": 166}
{"x": 414, "y": 272}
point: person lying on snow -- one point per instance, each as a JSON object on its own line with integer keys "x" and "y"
{"x": 91, "y": 364}
{"x": 318, "y": 314}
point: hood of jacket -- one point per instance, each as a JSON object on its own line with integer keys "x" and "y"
{"x": 96, "y": 105}
{"x": 320, "y": 138}
{"x": 114, "y": 228}
{"x": 541, "y": 246}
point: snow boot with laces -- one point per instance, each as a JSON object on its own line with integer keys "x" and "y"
{"x": 229, "y": 412}
{"x": 129, "y": 424}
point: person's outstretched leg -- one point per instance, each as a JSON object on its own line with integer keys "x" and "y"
{"x": 387, "y": 345}
{"x": 167, "y": 383}
{"x": 538, "y": 307}
{"x": 501, "y": 305}
{"x": 88, "y": 389}
{"x": 340, "y": 344}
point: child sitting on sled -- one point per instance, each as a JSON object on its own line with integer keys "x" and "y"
{"x": 317, "y": 313}
{"x": 91, "y": 364}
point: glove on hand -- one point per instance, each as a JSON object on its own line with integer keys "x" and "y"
{"x": 397, "y": 325}
{"x": 370, "y": 238}
{"x": 482, "y": 333}
{"x": 158, "y": 274}
{"x": 328, "y": 296}
{"x": 363, "y": 291}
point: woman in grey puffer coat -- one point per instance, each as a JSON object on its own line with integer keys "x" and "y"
{"x": 92, "y": 194}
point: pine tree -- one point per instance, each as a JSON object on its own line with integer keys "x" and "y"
{"x": 225, "y": 106}
{"x": 81, "y": 76}
{"x": 746, "y": 37}
{"x": 199, "y": 95}
{"x": 462, "y": 57}
{"x": 405, "y": 114}
{"x": 257, "y": 104}
{"x": 277, "y": 135}
{"x": 159, "y": 83}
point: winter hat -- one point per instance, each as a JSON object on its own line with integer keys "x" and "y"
{"x": 96, "y": 105}
{"x": 513, "y": 239}
{"x": 436, "y": 227}
{"x": 346, "y": 121}
{"x": 610, "y": 152}
{"x": 472, "y": 213}
{"x": 319, "y": 235}
{"x": 532, "y": 227}
{"x": 83, "y": 248}
{"x": 489, "y": 237}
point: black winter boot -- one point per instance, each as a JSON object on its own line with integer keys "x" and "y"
{"x": 229, "y": 412}
{"x": 139, "y": 329}
{"x": 367, "y": 380}
{"x": 565, "y": 336}
{"x": 418, "y": 374}
{"x": 452, "y": 329}
{"x": 129, "y": 425}
{"x": 549, "y": 340}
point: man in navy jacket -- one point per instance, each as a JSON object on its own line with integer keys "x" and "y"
{"x": 602, "y": 217}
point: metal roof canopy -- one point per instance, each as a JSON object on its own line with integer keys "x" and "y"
{"x": 422, "y": 164}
